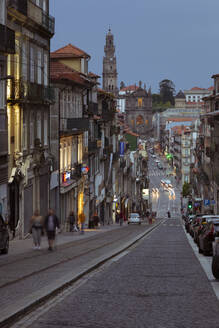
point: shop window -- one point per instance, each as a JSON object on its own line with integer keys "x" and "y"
{"x": 140, "y": 102}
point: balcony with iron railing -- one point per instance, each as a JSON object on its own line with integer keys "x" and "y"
{"x": 7, "y": 40}
{"x": 78, "y": 124}
{"x": 20, "y": 91}
{"x": 35, "y": 13}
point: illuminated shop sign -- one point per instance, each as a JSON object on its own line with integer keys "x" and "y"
{"x": 121, "y": 148}
{"x": 66, "y": 176}
{"x": 85, "y": 169}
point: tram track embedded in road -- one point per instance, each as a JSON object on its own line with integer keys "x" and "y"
{"x": 8, "y": 322}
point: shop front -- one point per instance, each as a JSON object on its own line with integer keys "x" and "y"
{"x": 68, "y": 197}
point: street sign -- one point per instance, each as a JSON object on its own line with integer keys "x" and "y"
{"x": 206, "y": 202}
{"x": 212, "y": 202}
{"x": 121, "y": 148}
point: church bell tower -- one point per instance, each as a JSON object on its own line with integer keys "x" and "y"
{"x": 109, "y": 65}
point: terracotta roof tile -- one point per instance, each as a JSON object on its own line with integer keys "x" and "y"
{"x": 59, "y": 71}
{"x": 130, "y": 88}
{"x": 197, "y": 88}
{"x": 93, "y": 75}
{"x": 69, "y": 51}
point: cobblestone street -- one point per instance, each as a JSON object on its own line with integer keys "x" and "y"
{"x": 28, "y": 276}
{"x": 158, "y": 284}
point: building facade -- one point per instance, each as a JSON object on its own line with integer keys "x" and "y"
{"x": 28, "y": 103}
{"x": 70, "y": 115}
{"x": 138, "y": 111}
{"x": 7, "y": 46}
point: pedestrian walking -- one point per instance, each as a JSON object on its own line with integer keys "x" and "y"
{"x": 148, "y": 216}
{"x": 96, "y": 220}
{"x": 121, "y": 218}
{"x": 168, "y": 214}
{"x": 82, "y": 221}
{"x": 71, "y": 220}
{"x": 117, "y": 217}
{"x": 36, "y": 228}
{"x": 51, "y": 223}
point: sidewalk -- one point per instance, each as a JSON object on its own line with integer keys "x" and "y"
{"x": 22, "y": 246}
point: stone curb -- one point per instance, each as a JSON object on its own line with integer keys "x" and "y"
{"x": 23, "y": 306}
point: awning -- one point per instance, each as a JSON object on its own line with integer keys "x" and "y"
{"x": 67, "y": 186}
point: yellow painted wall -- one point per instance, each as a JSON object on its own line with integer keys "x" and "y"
{"x": 74, "y": 63}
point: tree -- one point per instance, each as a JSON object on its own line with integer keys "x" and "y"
{"x": 186, "y": 189}
{"x": 167, "y": 91}
{"x": 156, "y": 98}
{"x": 158, "y": 105}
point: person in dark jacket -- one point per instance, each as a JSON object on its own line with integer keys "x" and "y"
{"x": 51, "y": 223}
{"x": 72, "y": 222}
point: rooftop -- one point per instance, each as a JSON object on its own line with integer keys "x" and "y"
{"x": 59, "y": 71}
{"x": 69, "y": 51}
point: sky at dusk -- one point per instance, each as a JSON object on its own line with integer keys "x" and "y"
{"x": 155, "y": 39}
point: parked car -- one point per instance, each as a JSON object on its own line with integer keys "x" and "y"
{"x": 134, "y": 218}
{"x": 4, "y": 237}
{"x": 154, "y": 156}
{"x": 215, "y": 258}
{"x": 195, "y": 222}
{"x": 188, "y": 221}
{"x": 207, "y": 235}
{"x": 201, "y": 226}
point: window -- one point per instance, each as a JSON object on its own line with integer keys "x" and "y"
{"x": 17, "y": 129}
{"x": 32, "y": 65}
{"x": 24, "y": 138}
{"x": 44, "y": 5}
{"x": 80, "y": 145}
{"x": 140, "y": 101}
{"x": 39, "y": 66}
{"x": 61, "y": 158}
{"x": 17, "y": 60}
{"x": 2, "y": 86}
{"x": 45, "y": 132}
{"x": 32, "y": 129}
{"x": 39, "y": 125}
{"x": 65, "y": 157}
{"x": 45, "y": 75}
{"x": 69, "y": 156}
{"x": 24, "y": 60}
{"x": 97, "y": 164}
